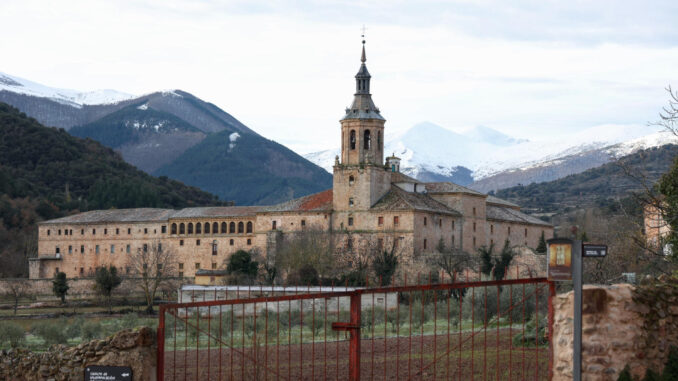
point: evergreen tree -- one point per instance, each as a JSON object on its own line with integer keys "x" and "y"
{"x": 385, "y": 265}
{"x": 242, "y": 267}
{"x": 106, "y": 280}
{"x": 625, "y": 375}
{"x": 60, "y": 286}
{"x": 668, "y": 187}
{"x": 671, "y": 367}
{"x": 486, "y": 264}
{"x": 541, "y": 248}
{"x": 502, "y": 264}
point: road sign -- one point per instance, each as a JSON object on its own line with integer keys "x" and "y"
{"x": 108, "y": 373}
{"x": 594, "y": 251}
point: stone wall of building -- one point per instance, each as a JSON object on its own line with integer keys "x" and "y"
{"x": 622, "y": 326}
{"x": 134, "y": 349}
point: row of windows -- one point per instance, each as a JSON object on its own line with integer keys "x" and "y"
{"x": 492, "y": 229}
{"x": 231, "y": 242}
{"x": 97, "y": 249}
{"x": 212, "y": 228}
{"x": 163, "y": 229}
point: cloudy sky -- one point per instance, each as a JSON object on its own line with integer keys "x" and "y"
{"x": 285, "y": 69}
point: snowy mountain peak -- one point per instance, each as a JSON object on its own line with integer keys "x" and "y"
{"x": 492, "y": 136}
{"x": 65, "y": 96}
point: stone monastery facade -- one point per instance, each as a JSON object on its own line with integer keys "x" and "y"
{"x": 370, "y": 203}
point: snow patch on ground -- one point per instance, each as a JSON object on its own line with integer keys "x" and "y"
{"x": 143, "y": 107}
{"x": 233, "y": 138}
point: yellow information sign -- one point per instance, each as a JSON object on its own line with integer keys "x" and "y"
{"x": 559, "y": 259}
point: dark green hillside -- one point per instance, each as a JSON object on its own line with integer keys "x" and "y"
{"x": 599, "y": 186}
{"x": 251, "y": 171}
{"x": 129, "y": 124}
{"x": 46, "y": 173}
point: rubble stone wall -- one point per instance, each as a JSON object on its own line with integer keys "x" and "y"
{"x": 135, "y": 349}
{"x": 621, "y": 325}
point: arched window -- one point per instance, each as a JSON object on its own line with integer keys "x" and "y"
{"x": 351, "y": 180}
{"x": 215, "y": 228}
{"x": 249, "y": 227}
{"x": 198, "y": 228}
{"x": 182, "y": 228}
{"x": 352, "y": 139}
{"x": 241, "y": 227}
{"x": 207, "y": 228}
{"x": 190, "y": 228}
{"x": 231, "y": 227}
{"x": 223, "y": 228}
{"x": 274, "y": 225}
{"x": 174, "y": 228}
{"x": 378, "y": 139}
{"x": 214, "y": 247}
{"x": 367, "y": 140}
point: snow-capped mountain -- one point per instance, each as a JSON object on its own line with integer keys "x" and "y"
{"x": 493, "y": 160}
{"x": 65, "y": 96}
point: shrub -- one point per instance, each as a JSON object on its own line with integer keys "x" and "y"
{"x": 625, "y": 375}
{"x": 51, "y": 333}
{"x": 129, "y": 321}
{"x": 12, "y": 333}
{"x": 74, "y": 328}
{"x": 91, "y": 330}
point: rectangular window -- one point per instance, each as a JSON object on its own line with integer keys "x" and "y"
{"x": 395, "y": 221}
{"x": 230, "y": 242}
{"x": 491, "y": 242}
{"x": 82, "y": 249}
{"x": 303, "y": 223}
{"x": 181, "y": 242}
{"x": 129, "y": 230}
{"x": 159, "y": 266}
{"x": 128, "y": 249}
{"x": 112, "y": 249}
{"x": 380, "y": 221}
{"x": 214, "y": 266}
{"x": 117, "y": 231}
{"x": 82, "y": 231}
{"x": 94, "y": 231}
{"x": 525, "y": 232}
{"x": 181, "y": 274}
{"x": 350, "y": 221}
{"x": 57, "y": 250}
{"x": 82, "y": 271}
{"x": 181, "y": 266}
{"x": 474, "y": 241}
{"x": 197, "y": 242}
{"x": 159, "y": 247}
{"x": 105, "y": 231}
{"x": 350, "y": 202}
{"x": 96, "y": 249}
{"x": 509, "y": 230}
{"x": 425, "y": 221}
{"x": 424, "y": 243}
{"x": 145, "y": 230}
{"x": 70, "y": 249}
{"x": 197, "y": 265}
{"x": 440, "y": 223}
{"x": 59, "y": 232}
{"x": 145, "y": 248}
{"x": 452, "y": 224}
{"x": 47, "y": 231}
{"x": 491, "y": 229}
{"x": 249, "y": 241}
{"x": 452, "y": 240}
{"x": 163, "y": 229}
{"x": 474, "y": 227}
{"x": 474, "y": 211}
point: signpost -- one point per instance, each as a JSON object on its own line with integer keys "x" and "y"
{"x": 108, "y": 373}
{"x": 564, "y": 261}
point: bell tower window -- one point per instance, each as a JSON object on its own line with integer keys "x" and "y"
{"x": 351, "y": 180}
{"x": 352, "y": 139}
{"x": 367, "y": 141}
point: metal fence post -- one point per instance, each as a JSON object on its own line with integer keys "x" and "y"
{"x": 354, "y": 346}
{"x": 552, "y": 294}
{"x": 160, "y": 354}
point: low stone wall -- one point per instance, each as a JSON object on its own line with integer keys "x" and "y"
{"x": 82, "y": 288}
{"x": 136, "y": 349}
{"x": 620, "y": 326}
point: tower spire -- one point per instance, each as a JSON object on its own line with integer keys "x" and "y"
{"x": 362, "y": 107}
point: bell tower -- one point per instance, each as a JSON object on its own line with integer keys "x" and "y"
{"x": 360, "y": 177}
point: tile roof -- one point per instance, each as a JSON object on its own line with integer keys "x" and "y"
{"x": 398, "y": 199}
{"x": 500, "y": 213}
{"x": 115, "y": 215}
{"x": 397, "y": 177}
{"x": 446, "y": 187}
{"x": 317, "y": 202}
{"x": 499, "y": 201}
{"x": 216, "y": 211}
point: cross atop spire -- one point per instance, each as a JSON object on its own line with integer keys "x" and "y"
{"x": 363, "y": 59}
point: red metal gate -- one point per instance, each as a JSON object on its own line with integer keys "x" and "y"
{"x": 457, "y": 330}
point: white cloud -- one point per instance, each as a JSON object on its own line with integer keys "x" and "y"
{"x": 287, "y": 71}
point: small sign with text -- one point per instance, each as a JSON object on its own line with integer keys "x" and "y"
{"x": 108, "y": 373}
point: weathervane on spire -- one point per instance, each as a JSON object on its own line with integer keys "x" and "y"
{"x": 363, "y": 59}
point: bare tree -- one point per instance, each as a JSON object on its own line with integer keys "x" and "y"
{"x": 452, "y": 260}
{"x": 17, "y": 289}
{"x": 308, "y": 247}
{"x": 154, "y": 265}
